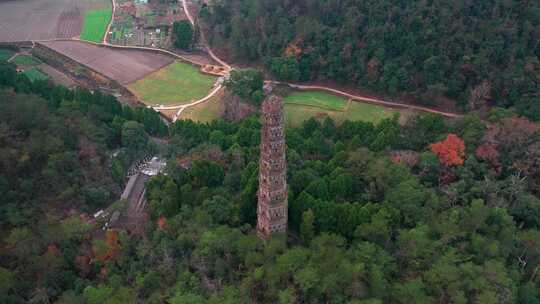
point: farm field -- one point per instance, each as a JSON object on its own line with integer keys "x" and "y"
{"x": 124, "y": 66}
{"x": 95, "y": 24}
{"x": 26, "y": 61}
{"x": 35, "y": 74}
{"x": 6, "y": 54}
{"x": 25, "y": 20}
{"x": 179, "y": 83}
{"x": 301, "y": 106}
{"x": 206, "y": 111}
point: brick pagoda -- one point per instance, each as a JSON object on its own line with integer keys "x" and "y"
{"x": 272, "y": 194}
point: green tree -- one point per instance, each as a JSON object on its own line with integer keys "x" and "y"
{"x": 7, "y": 280}
{"x": 182, "y": 34}
{"x": 247, "y": 84}
{"x": 307, "y": 228}
{"x": 134, "y": 138}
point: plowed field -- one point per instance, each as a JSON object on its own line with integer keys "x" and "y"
{"x": 124, "y": 66}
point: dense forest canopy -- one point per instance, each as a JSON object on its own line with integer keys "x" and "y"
{"x": 469, "y": 51}
{"x": 431, "y": 211}
{"x": 56, "y": 147}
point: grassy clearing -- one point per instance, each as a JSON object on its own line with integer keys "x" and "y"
{"x": 26, "y": 60}
{"x": 301, "y": 106}
{"x": 35, "y": 74}
{"x": 317, "y": 99}
{"x": 368, "y": 112}
{"x": 95, "y": 24}
{"x": 178, "y": 83}
{"x": 6, "y": 54}
{"x": 206, "y": 111}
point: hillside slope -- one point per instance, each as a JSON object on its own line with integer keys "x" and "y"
{"x": 472, "y": 52}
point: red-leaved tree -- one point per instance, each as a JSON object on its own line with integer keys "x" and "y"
{"x": 488, "y": 152}
{"x": 451, "y": 151}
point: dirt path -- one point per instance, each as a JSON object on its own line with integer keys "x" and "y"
{"x": 327, "y": 89}
{"x": 203, "y": 38}
{"x": 12, "y": 57}
{"x": 181, "y": 108}
{"x": 110, "y": 22}
{"x": 367, "y": 99}
{"x": 229, "y": 68}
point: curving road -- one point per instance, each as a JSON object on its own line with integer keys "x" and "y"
{"x": 327, "y": 89}
{"x": 367, "y": 99}
{"x": 203, "y": 38}
{"x": 229, "y": 68}
{"x": 181, "y": 108}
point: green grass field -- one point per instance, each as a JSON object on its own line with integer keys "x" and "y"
{"x": 317, "y": 99}
{"x": 178, "y": 83}
{"x": 95, "y": 24}
{"x": 6, "y": 54}
{"x": 35, "y": 74}
{"x": 301, "y": 106}
{"x": 26, "y": 60}
{"x": 206, "y": 111}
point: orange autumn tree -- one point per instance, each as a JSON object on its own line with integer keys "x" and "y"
{"x": 450, "y": 151}
{"x": 108, "y": 249}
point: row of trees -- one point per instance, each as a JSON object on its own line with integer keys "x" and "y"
{"x": 471, "y": 52}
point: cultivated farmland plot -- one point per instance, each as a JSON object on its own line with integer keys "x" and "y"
{"x": 25, "y": 20}
{"x": 124, "y": 66}
{"x": 178, "y": 83}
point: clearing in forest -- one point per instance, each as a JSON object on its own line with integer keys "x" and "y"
{"x": 301, "y": 106}
{"x": 176, "y": 84}
{"x": 95, "y": 24}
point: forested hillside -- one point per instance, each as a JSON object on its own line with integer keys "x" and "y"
{"x": 432, "y": 211}
{"x": 472, "y": 52}
{"x": 62, "y": 153}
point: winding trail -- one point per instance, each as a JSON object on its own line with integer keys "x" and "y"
{"x": 203, "y": 38}
{"x": 366, "y": 99}
{"x": 110, "y": 22}
{"x": 181, "y": 108}
{"x": 322, "y": 88}
{"x": 228, "y": 68}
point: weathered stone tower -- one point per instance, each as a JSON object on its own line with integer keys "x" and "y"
{"x": 272, "y": 195}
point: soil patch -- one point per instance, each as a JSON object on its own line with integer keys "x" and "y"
{"x": 25, "y": 20}
{"x": 123, "y": 66}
